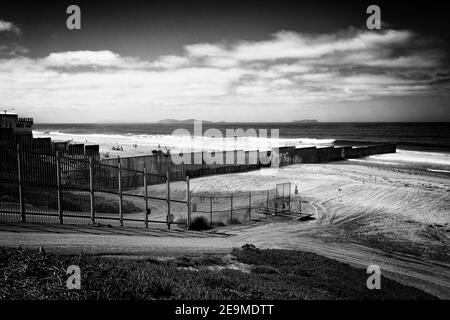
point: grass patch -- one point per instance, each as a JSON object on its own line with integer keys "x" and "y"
{"x": 279, "y": 274}
{"x": 233, "y": 221}
{"x": 218, "y": 224}
{"x": 47, "y": 198}
{"x": 181, "y": 223}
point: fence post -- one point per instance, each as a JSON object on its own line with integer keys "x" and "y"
{"x": 210, "y": 210}
{"x": 249, "y": 206}
{"x": 146, "y": 197}
{"x": 119, "y": 168}
{"x": 231, "y": 218}
{"x": 19, "y": 180}
{"x": 188, "y": 187}
{"x": 91, "y": 188}
{"x": 168, "y": 197}
{"x": 58, "y": 186}
{"x": 300, "y": 205}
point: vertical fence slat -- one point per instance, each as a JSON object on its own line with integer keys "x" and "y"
{"x": 145, "y": 199}
{"x": 119, "y": 168}
{"x": 188, "y": 189}
{"x": 249, "y": 206}
{"x": 20, "y": 183}
{"x": 91, "y": 189}
{"x": 58, "y": 186}
{"x": 168, "y": 197}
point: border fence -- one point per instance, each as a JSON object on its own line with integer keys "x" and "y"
{"x": 50, "y": 188}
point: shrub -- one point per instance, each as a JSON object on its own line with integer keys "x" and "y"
{"x": 199, "y": 224}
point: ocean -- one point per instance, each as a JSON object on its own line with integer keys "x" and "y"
{"x": 420, "y": 145}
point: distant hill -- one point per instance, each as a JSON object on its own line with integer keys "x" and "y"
{"x": 305, "y": 121}
{"x": 175, "y": 121}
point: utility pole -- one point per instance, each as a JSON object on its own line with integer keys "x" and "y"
{"x": 6, "y": 110}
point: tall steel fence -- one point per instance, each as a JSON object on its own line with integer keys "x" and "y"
{"x": 38, "y": 187}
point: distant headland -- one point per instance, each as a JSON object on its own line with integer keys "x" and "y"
{"x": 305, "y": 121}
{"x": 175, "y": 121}
{"x": 191, "y": 121}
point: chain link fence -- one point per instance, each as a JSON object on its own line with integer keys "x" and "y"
{"x": 224, "y": 208}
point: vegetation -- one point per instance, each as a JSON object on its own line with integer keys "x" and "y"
{"x": 233, "y": 221}
{"x": 217, "y": 224}
{"x": 274, "y": 274}
{"x": 200, "y": 223}
{"x": 46, "y": 198}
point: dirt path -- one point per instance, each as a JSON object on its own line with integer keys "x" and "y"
{"x": 431, "y": 277}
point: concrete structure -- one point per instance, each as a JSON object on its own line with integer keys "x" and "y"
{"x": 19, "y": 126}
{"x": 19, "y": 131}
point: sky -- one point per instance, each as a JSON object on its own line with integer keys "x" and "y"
{"x": 243, "y": 61}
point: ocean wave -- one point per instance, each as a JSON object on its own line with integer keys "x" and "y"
{"x": 437, "y": 170}
{"x": 419, "y": 157}
{"x": 184, "y": 142}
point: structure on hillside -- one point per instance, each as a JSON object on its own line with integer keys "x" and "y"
{"x": 18, "y": 126}
{"x": 16, "y": 131}
{"x": 13, "y": 128}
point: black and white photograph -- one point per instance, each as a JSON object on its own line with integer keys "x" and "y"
{"x": 220, "y": 158}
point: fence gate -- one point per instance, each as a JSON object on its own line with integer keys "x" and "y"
{"x": 283, "y": 198}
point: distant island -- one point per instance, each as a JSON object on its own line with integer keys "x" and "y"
{"x": 175, "y": 121}
{"x": 191, "y": 121}
{"x": 305, "y": 121}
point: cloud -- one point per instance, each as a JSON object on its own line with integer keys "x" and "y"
{"x": 11, "y": 50}
{"x": 92, "y": 59}
{"x": 6, "y": 26}
{"x": 287, "y": 70}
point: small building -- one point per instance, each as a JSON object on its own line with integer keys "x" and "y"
{"x": 19, "y": 131}
{"x": 19, "y": 126}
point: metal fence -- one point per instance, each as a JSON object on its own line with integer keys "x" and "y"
{"x": 49, "y": 188}
{"x": 238, "y": 207}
